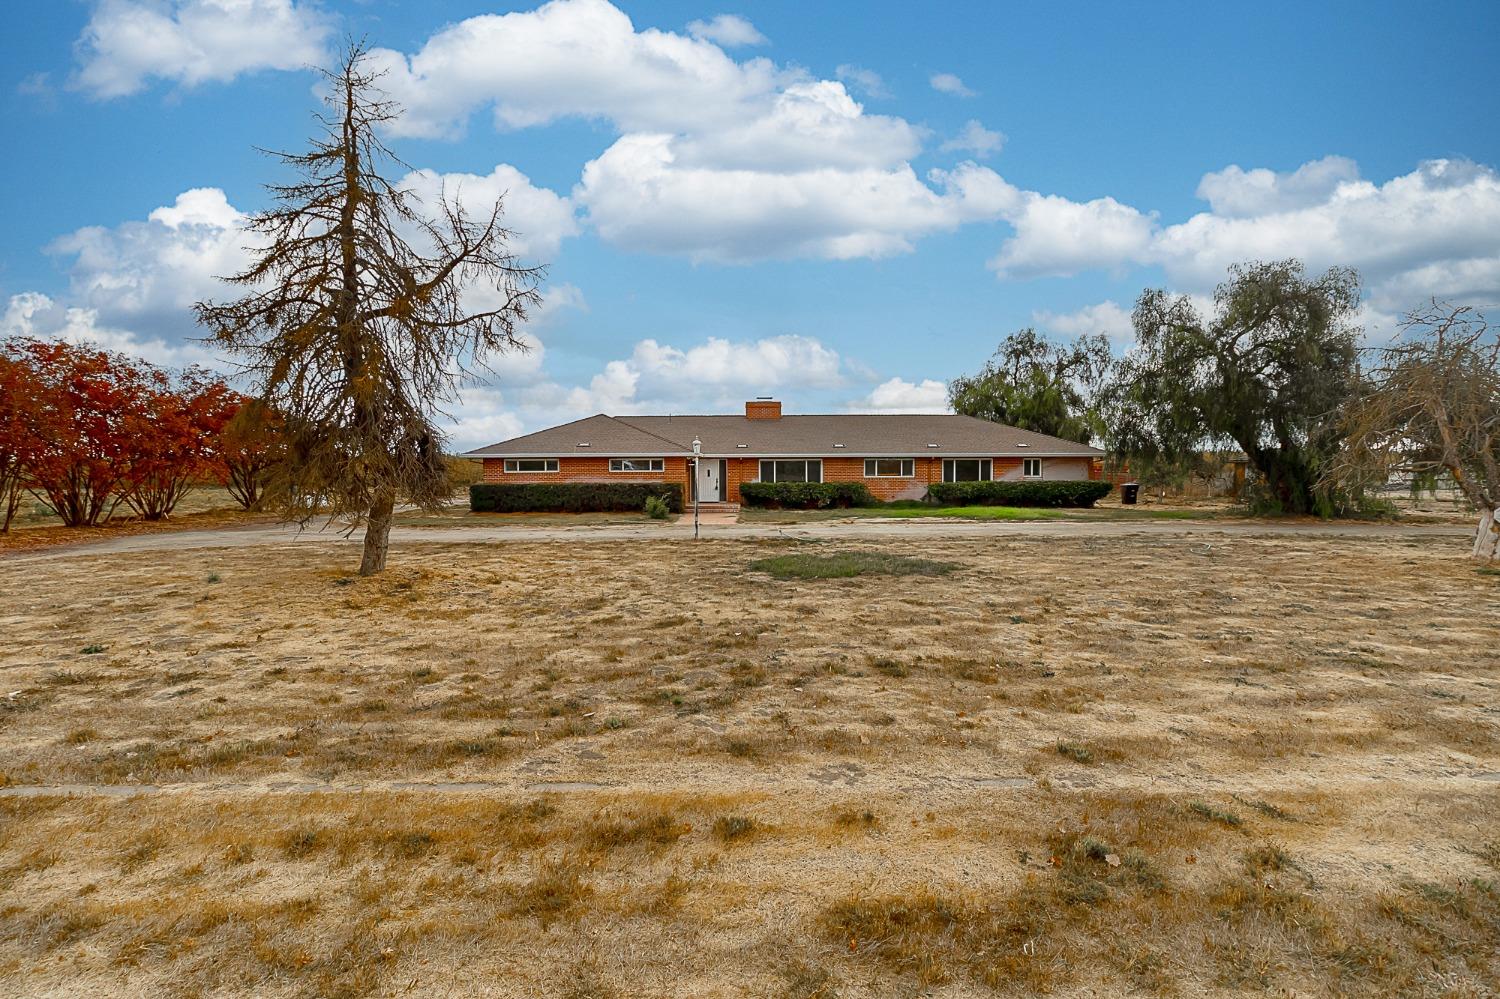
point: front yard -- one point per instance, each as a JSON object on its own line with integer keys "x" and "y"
{"x": 649, "y": 768}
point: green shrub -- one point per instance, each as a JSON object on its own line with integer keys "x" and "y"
{"x": 1018, "y": 493}
{"x": 656, "y": 508}
{"x": 806, "y": 495}
{"x": 571, "y": 497}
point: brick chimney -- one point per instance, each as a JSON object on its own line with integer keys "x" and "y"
{"x": 764, "y": 408}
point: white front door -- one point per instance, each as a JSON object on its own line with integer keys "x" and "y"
{"x": 709, "y": 485}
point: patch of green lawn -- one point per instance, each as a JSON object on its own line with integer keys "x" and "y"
{"x": 842, "y": 565}
{"x": 752, "y": 515}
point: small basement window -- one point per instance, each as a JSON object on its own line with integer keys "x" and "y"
{"x": 890, "y": 468}
{"x": 800, "y": 470}
{"x": 1031, "y": 468}
{"x": 531, "y": 464}
{"x": 637, "y": 464}
{"x": 967, "y": 469}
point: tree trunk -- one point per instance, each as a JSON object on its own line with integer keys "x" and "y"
{"x": 1487, "y": 538}
{"x": 1288, "y": 480}
{"x": 377, "y": 534}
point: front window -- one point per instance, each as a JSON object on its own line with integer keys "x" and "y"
{"x": 531, "y": 464}
{"x": 890, "y": 468}
{"x": 796, "y": 470}
{"x": 966, "y": 469}
{"x": 636, "y": 464}
{"x": 1031, "y": 468}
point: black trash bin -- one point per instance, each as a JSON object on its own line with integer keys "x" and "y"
{"x": 1128, "y": 491}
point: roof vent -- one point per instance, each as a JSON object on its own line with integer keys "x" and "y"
{"x": 838, "y": 445}
{"x": 932, "y": 445}
{"x": 581, "y": 444}
{"x": 1022, "y": 444}
{"x": 742, "y": 445}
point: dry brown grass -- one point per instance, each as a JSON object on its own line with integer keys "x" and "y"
{"x": 1117, "y": 765}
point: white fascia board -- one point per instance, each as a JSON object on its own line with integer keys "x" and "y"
{"x": 584, "y": 453}
{"x": 896, "y": 454}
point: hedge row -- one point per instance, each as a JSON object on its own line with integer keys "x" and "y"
{"x": 570, "y": 497}
{"x": 805, "y": 495}
{"x": 1022, "y": 493}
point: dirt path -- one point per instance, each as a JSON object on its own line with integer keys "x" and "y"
{"x": 282, "y": 536}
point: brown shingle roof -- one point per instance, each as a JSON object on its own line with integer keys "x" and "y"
{"x": 860, "y": 434}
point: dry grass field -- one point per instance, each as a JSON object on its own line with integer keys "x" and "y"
{"x": 1148, "y": 765}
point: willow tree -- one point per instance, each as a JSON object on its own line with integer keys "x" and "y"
{"x": 1433, "y": 412}
{"x": 355, "y": 326}
{"x": 1268, "y": 372}
{"x": 1038, "y": 385}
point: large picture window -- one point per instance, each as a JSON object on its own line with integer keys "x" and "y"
{"x": 966, "y": 469}
{"x": 531, "y": 464}
{"x": 796, "y": 470}
{"x": 636, "y": 464}
{"x": 1031, "y": 468}
{"x": 890, "y": 468}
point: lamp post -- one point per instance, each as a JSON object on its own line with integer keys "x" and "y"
{"x": 697, "y": 453}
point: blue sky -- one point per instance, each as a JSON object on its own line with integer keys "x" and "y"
{"x": 771, "y": 198}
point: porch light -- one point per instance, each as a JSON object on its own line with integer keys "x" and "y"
{"x": 698, "y": 446}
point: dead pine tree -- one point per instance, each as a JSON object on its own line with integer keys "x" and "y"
{"x": 1433, "y": 412}
{"x": 355, "y": 327}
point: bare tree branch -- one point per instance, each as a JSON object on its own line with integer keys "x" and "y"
{"x": 355, "y": 336}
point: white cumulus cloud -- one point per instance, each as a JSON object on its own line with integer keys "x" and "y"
{"x": 35, "y": 315}
{"x": 715, "y": 159}
{"x": 728, "y": 30}
{"x": 638, "y": 195}
{"x": 1432, "y": 232}
{"x": 976, "y": 139}
{"x": 147, "y": 274}
{"x": 571, "y": 58}
{"x": 1108, "y": 318}
{"x": 866, "y": 81}
{"x": 897, "y": 395}
{"x": 1237, "y": 193}
{"x": 540, "y": 219}
{"x": 1056, "y": 236}
{"x": 948, "y": 83}
{"x": 126, "y": 43}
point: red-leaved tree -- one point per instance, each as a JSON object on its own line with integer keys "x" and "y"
{"x": 18, "y": 404}
{"x": 177, "y": 431}
{"x": 251, "y": 448}
{"x": 85, "y": 429}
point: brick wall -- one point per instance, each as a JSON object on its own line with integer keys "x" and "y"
{"x": 573, "y": 468}
{"x": 589, "y": 469}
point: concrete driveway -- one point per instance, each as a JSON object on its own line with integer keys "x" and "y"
{"x": 682, "y": 530}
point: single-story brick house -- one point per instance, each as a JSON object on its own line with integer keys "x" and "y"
{"x": 896, "y": 455}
